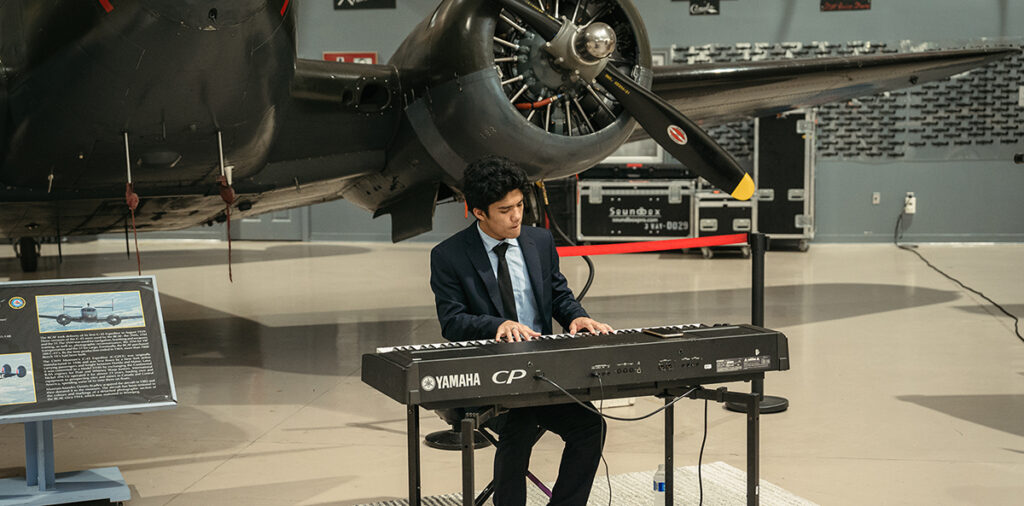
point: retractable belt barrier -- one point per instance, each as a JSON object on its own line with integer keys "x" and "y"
{"x": 646, "y": 246}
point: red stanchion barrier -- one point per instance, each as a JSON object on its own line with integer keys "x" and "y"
{"x": 647, "y": 246}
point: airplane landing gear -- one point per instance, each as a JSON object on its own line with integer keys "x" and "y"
{"x": 27, "y": 250}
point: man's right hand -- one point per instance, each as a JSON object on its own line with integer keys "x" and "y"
{"x": 515, "y": 331}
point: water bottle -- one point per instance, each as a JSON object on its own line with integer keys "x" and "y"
{"x": 659, "y": 485}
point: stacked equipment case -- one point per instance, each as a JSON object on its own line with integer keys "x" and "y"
{"x": 720, "y": 214}
{"x": 784, "y": 156}
{"x": 634, "y": 210}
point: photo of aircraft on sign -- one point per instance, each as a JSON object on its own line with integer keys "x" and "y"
{"x": 88, "y": 316}
{"x": 17, "y": 381}
{"x": 167, "y": 114}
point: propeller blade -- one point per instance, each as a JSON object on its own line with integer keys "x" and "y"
{"x": 542, "y": 22}
{"x": 681, "y": 137}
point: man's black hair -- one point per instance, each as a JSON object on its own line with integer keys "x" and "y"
{"x": 489, "y": 179}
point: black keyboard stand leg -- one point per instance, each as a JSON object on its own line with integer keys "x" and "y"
{"x": 753, "y": 443}
{"x": 412, "y": 431}
{"x": 468, "y": 480}
{"x": 752, "y": 403}
{"x": 670, "y": 426}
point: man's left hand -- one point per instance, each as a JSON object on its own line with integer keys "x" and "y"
{"x": 584, "y": 323}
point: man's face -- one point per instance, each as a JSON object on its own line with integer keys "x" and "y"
{"x": 504, "y": 218}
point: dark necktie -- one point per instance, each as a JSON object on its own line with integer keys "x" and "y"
{"x": 508, "y": 297}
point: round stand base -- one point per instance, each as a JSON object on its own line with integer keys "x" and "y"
{"x": 769, "y": 404}
{"x": 451, "y": 440}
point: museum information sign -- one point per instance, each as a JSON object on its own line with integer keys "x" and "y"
{"x": 80, "y": 347}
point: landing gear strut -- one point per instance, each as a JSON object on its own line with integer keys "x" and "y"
{"x": 27, "y": 250}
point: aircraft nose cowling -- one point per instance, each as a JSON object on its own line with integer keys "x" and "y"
{"x": 475, "y": 83}
{"x": 484, "y": 85}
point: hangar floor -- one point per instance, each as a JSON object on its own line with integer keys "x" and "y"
{"x": 904, "y": 388}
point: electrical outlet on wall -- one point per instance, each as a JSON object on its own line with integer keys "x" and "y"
{"x": 876, "y": 198}
{"x": 910, "y": 203}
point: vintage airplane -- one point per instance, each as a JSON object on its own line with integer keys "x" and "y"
{"x": 159, "y": 112}
{"x": 90, "y": 315}
{"x": 8, "y": 372}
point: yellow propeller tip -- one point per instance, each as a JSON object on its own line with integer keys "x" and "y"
{"x": 745, "y": 189}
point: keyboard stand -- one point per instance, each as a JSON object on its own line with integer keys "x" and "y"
{"x": 473, "y": 421}
{"x": 753, "y": 402}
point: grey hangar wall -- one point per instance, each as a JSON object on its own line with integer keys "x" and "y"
{"x": 972, "y": 198}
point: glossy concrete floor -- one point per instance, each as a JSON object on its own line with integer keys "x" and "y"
{"x": 904, "y": 388}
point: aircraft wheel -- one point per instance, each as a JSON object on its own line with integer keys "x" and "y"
{"x": 27, "y": 251}
{"x": 63, "y": 319}
{"x": 114, "y": 319}
{"x": 6, "y": 369}
{"x": 22, "y": 372}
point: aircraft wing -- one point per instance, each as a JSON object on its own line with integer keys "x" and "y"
{"x": 716, "y": 93}
{"x": 69, "y": 317}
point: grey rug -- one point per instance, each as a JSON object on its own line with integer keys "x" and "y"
{"x": 723, "y": 485}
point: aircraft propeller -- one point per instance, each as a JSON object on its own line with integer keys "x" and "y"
{"x": 585, "y": 49}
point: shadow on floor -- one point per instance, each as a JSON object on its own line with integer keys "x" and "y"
{"x": 97, "y": 264}
{"x": 149, "y": 451}
{"x": 1001, "y": 412}
{"x": 200, "y": 336}
{"x": 1015, "y": 309}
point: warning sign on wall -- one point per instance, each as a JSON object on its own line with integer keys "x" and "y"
{"x": 845, "y": 5}
{"x": 350, "y": 57}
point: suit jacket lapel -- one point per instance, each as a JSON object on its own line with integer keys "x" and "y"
{"x": 478, "y": 256}
{"x": 534, "y": 269}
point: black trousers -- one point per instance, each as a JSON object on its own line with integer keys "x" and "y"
{"x": 517, "y": 432}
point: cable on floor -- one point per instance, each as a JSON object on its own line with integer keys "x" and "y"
{"x": 700, "y": 457}
{"x": 898, "y": 234}
{"x": 601, "y": 413}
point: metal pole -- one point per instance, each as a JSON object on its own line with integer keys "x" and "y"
{"x": 758, "y": 246}
{"x": 758, "y": 243}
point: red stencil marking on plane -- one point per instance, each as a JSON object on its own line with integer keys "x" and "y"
{"x": 677, "y": 134}
{"x": 107, "y": 6}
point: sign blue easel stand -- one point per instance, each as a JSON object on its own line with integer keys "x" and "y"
{"x": 53, "y": 330}
{"x": 42, "y": 486}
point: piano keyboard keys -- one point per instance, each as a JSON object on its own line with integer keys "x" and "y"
{"x": 485, "y": 342}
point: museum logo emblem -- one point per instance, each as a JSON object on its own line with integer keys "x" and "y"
{"x": 16, "y": 303}
{"x": 428, "y": 383}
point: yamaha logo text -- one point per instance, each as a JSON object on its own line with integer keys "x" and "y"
{"x": 447, "y": 381}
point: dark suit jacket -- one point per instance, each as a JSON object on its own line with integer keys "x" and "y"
{"x": 466, "y": 291}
